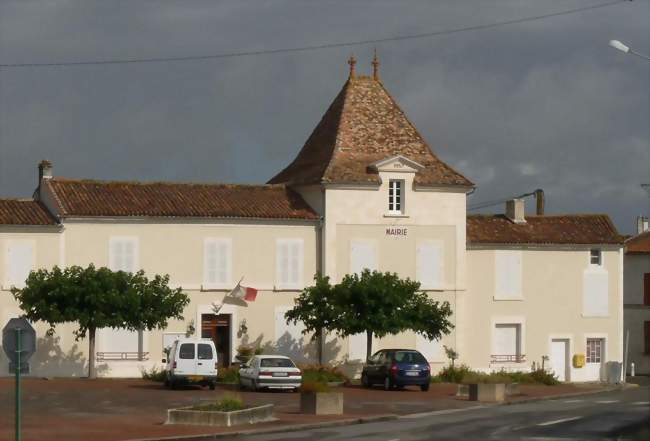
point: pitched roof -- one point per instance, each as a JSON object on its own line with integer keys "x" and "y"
{"x": 551, "y": 229}
{"x": 24, "y": 212}
{"x": 164, "y": 199}
{"x": 639, "y": 244}
{"x": 364, "y": 124}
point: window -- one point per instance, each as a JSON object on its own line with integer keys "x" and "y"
{"x": 507, "y": 343}
{"x": 595, "y": 294}
{"x": 429, "y": 264}
{"x": 409, "y": 357}
{"x": 595, "y": 257}
{"x": 20, "y": 261}
{"x": 363, "y": 255}
{"x": 217, "y": 258}
{"x": 186, "y": 352}
{"x": 123, "y": 254}
{"x": 646, "y": 334}
{"x": 594, "y": 350}
{"x": 646, "y": 289}
{"x": 204, "y": 351}
{"x": 395, "y": 196}
{"x": 508, "y": 267}
{"x": 276, "y": 363}
{"x": 289, "y": 264}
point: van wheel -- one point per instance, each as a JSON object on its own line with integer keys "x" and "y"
{"x": 364, "y": 381}
{"x": 173, "y": 384}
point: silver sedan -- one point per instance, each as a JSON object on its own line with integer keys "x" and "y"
{"x": 270, "y": 372}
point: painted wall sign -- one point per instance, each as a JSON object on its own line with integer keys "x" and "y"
{"x": 397, "y": 231}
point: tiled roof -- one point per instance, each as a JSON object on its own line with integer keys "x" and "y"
{"x": 551, "y": 229}
{"x": 24, "y": 212}
{"x": 638, "y": 244}
{"x": 113, "y": 198}
{"x": 363, "y": 125}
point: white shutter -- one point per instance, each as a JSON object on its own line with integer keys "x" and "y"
{"x": 119, "y": 340}
{"x": 20, "y": 261}
{"x": 431, "y": 349}
{"x": 363, "y": 255}
{"x": 289, "y": 263}
{"x": 123, "y": 254}
{"x": 505, "y": 339}
{"x": 217, "y": 262}
{"x": 429, "y": 265}
{"x": 595, "y": 294}
{"x": 357, "y": 346}
{"x": 508, "y": 269}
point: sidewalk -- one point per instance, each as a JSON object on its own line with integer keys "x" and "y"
{"x": 116, "y": 410}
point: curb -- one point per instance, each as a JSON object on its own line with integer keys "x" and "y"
{"x": 569, "y": 395}
{"x": 283, "y": 429}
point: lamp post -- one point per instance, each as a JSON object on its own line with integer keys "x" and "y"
{"x": 626, "y": 49}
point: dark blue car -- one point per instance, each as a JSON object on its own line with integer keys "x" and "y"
{"x": 396, "y": 368}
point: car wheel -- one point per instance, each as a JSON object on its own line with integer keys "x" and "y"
{"x": 388, "y": 383}
{"x": 424, "y": 387}
{"x": 211, "y": 385}
{"x": 364, "y": 380}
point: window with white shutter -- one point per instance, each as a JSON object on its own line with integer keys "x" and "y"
{"x": 20, "y": 261}
{"x": 429, "y": 265}
{"x": 217, "y": 262}
{"x": 289, "y": 263}
{"x": 595, "y": 301}
{"x": 507, "y": 340}
{"x": 123, "y": 254}
{"x": 508, "y": 268}
{"x": 363, "y": 255}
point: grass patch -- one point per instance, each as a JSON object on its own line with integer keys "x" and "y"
{"x": 228, "y": 375}
{"x": 322, "y": 374}
{"x": 463, "y": 374}
{"x": 226, "y": 404}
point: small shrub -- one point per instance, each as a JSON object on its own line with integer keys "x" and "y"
{"x": 480, "y": 377}
{"x": 314, "y": 386}
{"x": 453, "y": 374}
{"x": 226, "y": 404}
{"x": 322, "y": 374}
{"x": 154, "y": 374}
{"x": 228, "y": 375}
{"x": 543, "y": 377}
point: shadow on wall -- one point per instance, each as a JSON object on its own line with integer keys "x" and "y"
{"x": 301, "y": 350}
{"x": 51, "y": 361}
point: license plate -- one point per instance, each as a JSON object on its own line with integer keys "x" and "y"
{"x": 412, "y": 373}
{"x": 195, "y": 378}
{"x": 280, "y": 374}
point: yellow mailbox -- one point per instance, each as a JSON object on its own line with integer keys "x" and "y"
{"x": 578, "y": 360}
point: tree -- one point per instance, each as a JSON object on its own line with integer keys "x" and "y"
{"x": 99, "y": 298}
{"x": 381, "y": 303}
{"x": 316, "y": 308}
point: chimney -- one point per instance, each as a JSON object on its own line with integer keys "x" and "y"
{"x": 641, "y": 224}
{"x": 515, "y": 211}
{"x": 44, "y": 170}
{"x": 539, "y": 198}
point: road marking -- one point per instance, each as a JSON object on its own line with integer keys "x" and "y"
{"x": 563, "y": 420}
{"x": 641, "y": 403}
{"x": 439, "y": 412}
{"x": 574, "y": 401}
{"x": 607, "y": 401}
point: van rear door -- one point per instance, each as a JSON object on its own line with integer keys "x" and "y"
{"x": 186, "y": 359}
{"x": 206, "y": 359}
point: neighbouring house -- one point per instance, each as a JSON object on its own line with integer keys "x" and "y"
{"x": 365, "y": 191}
{"x": 637, "y": 297}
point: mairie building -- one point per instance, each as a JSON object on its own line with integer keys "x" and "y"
{"x": 365, "y": 191}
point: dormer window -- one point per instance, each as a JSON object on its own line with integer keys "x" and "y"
{"x": 396, "y": 196}
{"x": 595, "y": 257}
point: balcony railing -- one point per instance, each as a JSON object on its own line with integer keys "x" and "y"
{"x": 114, "y": 356}
{"x": 520, "y": 358}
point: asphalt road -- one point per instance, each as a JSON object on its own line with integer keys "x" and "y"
{"x": 619, "y": 415}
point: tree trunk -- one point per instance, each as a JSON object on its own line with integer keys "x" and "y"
{"x": 320, "y": 342}
{"x": 368, "y": 344}
{"x": 92, "y": 373}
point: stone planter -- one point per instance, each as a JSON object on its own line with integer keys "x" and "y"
{"x": 511, "y": 389}
{"x": 321, "y": 403}
{"x": 185, "y": 415}
{"x": 487, "y": 392}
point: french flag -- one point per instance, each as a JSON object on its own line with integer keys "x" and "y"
{"x": 243, "y": 293}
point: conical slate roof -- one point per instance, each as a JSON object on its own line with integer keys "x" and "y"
{"x": 363, "y": 125}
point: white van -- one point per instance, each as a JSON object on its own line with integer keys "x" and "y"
{"x": 191, "y": 360}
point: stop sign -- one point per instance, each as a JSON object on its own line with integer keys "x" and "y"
{"x": 27, "y": 339}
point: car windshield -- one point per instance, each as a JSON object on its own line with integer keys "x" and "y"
{"x": 409, "y": 357}
{"x": 276, "y": 362}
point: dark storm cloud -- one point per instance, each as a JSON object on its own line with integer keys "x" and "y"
{"x": 543, "y": 104}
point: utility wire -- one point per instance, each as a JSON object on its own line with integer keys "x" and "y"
{"x": 318, "y": 46}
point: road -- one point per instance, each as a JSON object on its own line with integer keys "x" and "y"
{"x": 611, "y": 415}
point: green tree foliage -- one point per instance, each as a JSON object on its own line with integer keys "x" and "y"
{"x": 97, "y": 298}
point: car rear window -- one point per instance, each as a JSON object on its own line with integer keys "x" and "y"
{"x": 409, "y": 357}
{"x": 276, "y": 362}
{"x": 187, "y": 351}
{"x": 205, "y": 351}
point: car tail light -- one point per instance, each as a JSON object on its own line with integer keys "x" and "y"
{"x": 269, "y": 373}
{"x": 394, "y": 369}
{"x": 427, "y": 367}
{"x": 174, "y": 365}
{"x": 295, "y": 374}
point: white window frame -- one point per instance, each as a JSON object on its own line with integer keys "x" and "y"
{"x": 18, "y": 243}
{"x": 426, "y": 283}
{"x": 500, "y": 258}
{"x": 227, "y": 281}
{"x": 509, "y": 320}
{"x": 599, "y": 257}
{"x": 289, "y": 282}
{"x": 396, "y": 196}
{"x": 136, "y": 252}
{"x": 601, "y": 350}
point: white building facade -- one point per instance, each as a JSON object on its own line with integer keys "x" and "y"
{"x": 365, "y": 191}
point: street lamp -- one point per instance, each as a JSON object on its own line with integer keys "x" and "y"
{"x": 626, "y": 49}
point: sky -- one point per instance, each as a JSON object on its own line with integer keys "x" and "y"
{"x": 544, "y": 104}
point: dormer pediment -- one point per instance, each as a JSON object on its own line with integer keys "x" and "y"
{"x": 397, "y": 163}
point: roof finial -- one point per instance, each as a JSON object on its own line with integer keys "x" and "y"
{"x": 375, "y": 66}
{"x": 352, "y": 62}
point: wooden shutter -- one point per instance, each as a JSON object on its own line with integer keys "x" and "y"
{"x": 646, "y": 289}
{"x": 289, "y": 263}
{"x": 123, "y": 254}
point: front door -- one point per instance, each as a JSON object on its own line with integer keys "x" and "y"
{"x": 595, "y": 359}
{"x": 559, "y": 358}
{"x": 218, "y": 328}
